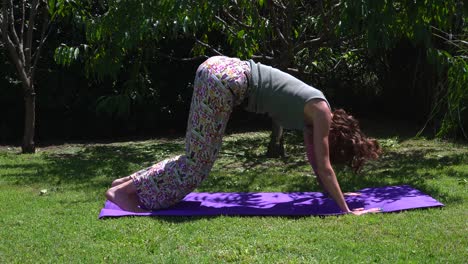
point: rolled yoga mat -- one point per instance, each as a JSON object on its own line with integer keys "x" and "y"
{"x": 390, "y": 199}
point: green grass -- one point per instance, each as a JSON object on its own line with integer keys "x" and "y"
{"x": 62, "y": 226}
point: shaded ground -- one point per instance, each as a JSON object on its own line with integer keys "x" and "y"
{"x": 60, "y": 225}
{"x": 242, "y": 165}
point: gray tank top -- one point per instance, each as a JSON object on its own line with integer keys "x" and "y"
{"x": 279, "y": 94}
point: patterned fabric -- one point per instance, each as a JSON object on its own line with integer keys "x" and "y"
{"x": 220, "y": 84}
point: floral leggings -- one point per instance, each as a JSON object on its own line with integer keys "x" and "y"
{"x": 220, "y": 84}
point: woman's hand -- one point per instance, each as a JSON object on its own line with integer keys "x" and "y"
{"x": 352, "y": 194}
{"x": 361, "y": 211}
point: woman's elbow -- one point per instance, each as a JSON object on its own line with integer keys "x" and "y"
{"x": 325, "y": 172}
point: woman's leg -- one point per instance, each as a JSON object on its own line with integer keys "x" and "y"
{"x": 125, "y": 196}
{"x": 219, "y": 83}
{"x": 209, "y": 114}
{"x": 169, "y": 181}
{"x": 120, "y": 181}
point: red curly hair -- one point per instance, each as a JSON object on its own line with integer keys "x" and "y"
{"x": 348, "y": 144}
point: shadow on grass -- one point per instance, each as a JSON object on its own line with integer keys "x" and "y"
{"x": 243, "y": 167}
{"x": 244, "y": 154}
{"x": 92, "y": 167}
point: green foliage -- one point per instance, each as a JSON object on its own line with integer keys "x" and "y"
{"x": 456, "y": 116}
{"x": 127, "y": 26}
{"x": 133, "y": 34}
{"x": 386, "y": 22}
{"x": 341, "y": 47}
{"x": 439, "y": 27}
{"x": 65, "y": 55}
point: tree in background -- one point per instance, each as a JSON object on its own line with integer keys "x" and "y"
{"x": 273, "y": 32}
{"x": 24, "y": 27}
{"x": 438, "y": 33}
{"x": 354, "y": 43}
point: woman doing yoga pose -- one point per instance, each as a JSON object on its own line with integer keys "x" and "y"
{"x": 222, "y": 83}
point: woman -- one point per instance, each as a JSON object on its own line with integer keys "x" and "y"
{"x": 222, "y": 83}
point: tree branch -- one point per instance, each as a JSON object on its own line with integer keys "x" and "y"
{"x": 4, "y": 19}
{"x": 19, "y": 64}
{"x": 281, "y": 36}
{"x": 278, "y": 4}
{"x": 22, "y": 22}
{"x": 226, "y": 25}
{"x": 237, "y": 21}
{"x": 43, "y": 39}
{"x": 263, "y": 57}
{"x": 1, "y": 25}
{"x": 296, "y": 72}
{"x": 208, "y": 47}
{"x": 12, "y": 25}
{"x": 16, "y": 60}
{"x": 447, "y": 40}
{"x": 18, "y": 43}
{"x": 275, "y": 21}
{"x": 29, "y": 36}
{"x": 201, "y": 57}
{"x": 310, "y": 42}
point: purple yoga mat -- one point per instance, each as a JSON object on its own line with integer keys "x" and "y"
{"x": 390, "y": 199}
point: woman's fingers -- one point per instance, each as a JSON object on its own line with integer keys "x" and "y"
{"x": 361, "y": 211}
{"x": 351, "y": 194}
{"x": 375, "y": 210}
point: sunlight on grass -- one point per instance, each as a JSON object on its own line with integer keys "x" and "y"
{"x": 61, "y": 224}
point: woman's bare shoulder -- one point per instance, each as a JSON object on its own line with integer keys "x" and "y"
{"x": 316, "y": 108}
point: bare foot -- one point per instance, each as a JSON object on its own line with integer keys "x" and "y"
{"x": 126, "y": 201}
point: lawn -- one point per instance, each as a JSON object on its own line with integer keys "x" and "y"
{"x": 50, "y": 202}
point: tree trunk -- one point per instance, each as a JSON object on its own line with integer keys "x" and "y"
{"x": 28, "y": 145}
{"x": 276, "y": 145}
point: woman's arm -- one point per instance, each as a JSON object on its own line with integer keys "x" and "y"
{"x": 318, "y": 114}
{"x": 309, "y": 145}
